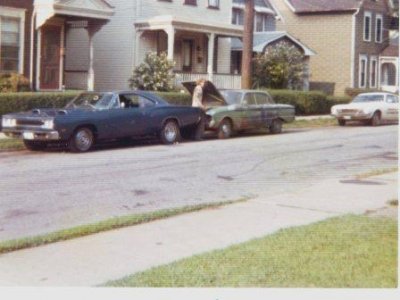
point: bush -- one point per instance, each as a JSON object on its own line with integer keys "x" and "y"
{"x": 154, "y": 74}
{"x": 305, "y": 103}
{"x": 176, "y": 98}
{"x": 13, "y": 82}
{"x": 15, "y": 102}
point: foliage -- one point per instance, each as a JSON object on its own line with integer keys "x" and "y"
{"x": 154, "y": 74}
{"x": 13, "y": 82}
{"x": 15, "y": 102}
{"x": 176, "y": 98}
{"x": 279, "y": 67}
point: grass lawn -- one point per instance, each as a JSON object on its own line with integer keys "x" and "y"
{"x": 321, "y": 122}
{"x": 11, "y": 144}
{"x": 350, "y": 251}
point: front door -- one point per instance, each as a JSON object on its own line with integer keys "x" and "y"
{"x": 50, "y": 57}
{"x": 187, "y": 51}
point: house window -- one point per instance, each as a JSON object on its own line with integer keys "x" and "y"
{"x": 372, "y": 72}
{"x": 11, "y": 42}
{"x": 190, "y": 2}
{"x": 378, "y": 28}
{"x": 367, "y": 26}
{"x": 237, "y": 16}
{"x": 363, "y": 71}
{"x": 213, "y": 3}
{"x": 261, "y": 22}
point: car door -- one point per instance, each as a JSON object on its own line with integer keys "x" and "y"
{"x": 267, "y": 110}
{"x": 251, "y": 113}
{"x": 392, "y": 110}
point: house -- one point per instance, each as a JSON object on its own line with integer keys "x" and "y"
{"x": 34, "y": 38}
{"x": 348, "y": 35}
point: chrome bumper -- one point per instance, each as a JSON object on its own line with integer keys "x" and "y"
{"x": 32, "y": 135}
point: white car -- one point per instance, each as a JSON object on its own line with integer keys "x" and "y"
{"x": 369, "y": 108}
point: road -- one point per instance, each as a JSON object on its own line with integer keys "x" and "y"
{"x": 44, "y": 192}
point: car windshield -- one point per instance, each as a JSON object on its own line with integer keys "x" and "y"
{"x": 92, "y": 100}
{"x": 368, "y": 98}
{"x": 232, "y": 97}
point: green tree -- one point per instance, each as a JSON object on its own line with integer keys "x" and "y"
{"x": 281, "y": 66}
{"x": 154, "y": 74}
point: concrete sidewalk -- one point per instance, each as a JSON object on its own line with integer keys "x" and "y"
{"x": 96, "y": 259}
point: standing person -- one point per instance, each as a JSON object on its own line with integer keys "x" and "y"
{"x": 197, "y": 99}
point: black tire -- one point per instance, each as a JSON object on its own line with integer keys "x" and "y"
{"x": 341, "y": 122}
{"x": 376, "y": 119}
{"x": 35, "y": 145}
{"x": 82, "y": 140}
{"x": 225, "y": 129}
{"x": 276, "y": 126}
{"x": 170, "y": 132}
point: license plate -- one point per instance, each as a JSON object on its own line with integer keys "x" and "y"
{"x": 347, "y": 117}
{"x": 28, "y": 135}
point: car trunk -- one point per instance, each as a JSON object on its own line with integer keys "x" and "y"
{"x": 211, "y": 96}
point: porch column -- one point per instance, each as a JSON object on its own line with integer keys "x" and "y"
{"x": 210, "y": 62}
{"x": 171, "y": 41}
{"x": 91, "y": 29}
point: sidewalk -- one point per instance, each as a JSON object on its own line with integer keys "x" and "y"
{"x": 96, "y": 259}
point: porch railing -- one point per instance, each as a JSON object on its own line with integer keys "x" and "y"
{"x": 221, "y": 81}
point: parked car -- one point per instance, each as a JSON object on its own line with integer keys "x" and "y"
{"x": 369, "y": 108}
{"x": 92, "y": 117}
{"x": 231, "y": 111}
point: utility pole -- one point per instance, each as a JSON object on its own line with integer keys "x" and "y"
{"x": 247, "y": 54}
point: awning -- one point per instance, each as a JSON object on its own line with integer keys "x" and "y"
{"x": 94, "y": 9}
{"x": 262, "y": 39}
{"x": 179, "y": 23}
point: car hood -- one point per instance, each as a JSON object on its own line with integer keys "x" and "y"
{"x": 48, "y": 113}
{"x": 211, "y": 96}
{"x": 355, "y": 105}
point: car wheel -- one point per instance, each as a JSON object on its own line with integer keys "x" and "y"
{"x": 170, "y": 132}
{"x": 35, "y": 145}
{"x": 341, "y": 122}
{"x": 376, "y": 119}
{"x": 225, "y": 129}
{"x": 82, "y": 140}
{"x": 276, "y": 126}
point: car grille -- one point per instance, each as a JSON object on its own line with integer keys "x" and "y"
{"x": 349, "y": 111}
{"x": 28, "y": 122}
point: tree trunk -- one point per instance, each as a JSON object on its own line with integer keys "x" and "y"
{"x": 247, "y": 53}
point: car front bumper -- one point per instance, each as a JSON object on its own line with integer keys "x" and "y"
{"x": 34, "y": 135}
{"x": 353, "y": 117}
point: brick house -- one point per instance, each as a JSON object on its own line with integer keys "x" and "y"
{"x": 348, "y": 35}
{"x": 33, "y": 37}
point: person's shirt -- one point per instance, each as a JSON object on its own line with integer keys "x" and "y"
{"x": 197, "y": 100}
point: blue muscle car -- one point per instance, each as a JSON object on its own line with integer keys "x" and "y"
{"x": 92, "y": 117}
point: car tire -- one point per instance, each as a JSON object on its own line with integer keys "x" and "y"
{"x": 170, "y": 132}
{"x": 225, "y": 129}
{"x": 35, "y": 145}
{"x": 276, "y": 126}
{"x": 376, "y": 119}
{"x": 82, "y": 140}
{"x": 341, "y": 122}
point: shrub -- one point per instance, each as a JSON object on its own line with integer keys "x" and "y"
{"x": 15, "y": 102}
{"x": 13, "y": 82}
{"x": 281, "y": 66}
{"x": 154, "y": 74}
{"x": 176, "y": 98}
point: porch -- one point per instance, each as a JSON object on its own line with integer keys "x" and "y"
{"x": 198, "y": 50}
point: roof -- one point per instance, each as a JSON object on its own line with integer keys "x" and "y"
{"x": 393, "y": 48}
{"x": 262, "y": 39}
{"x": 318, "y": 6}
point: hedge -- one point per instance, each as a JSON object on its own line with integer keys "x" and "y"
{"x": 306, "y": 103}
{"x": 15, "y": 102}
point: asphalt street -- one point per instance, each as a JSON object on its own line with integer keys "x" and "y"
{"x": 48, "y": 191}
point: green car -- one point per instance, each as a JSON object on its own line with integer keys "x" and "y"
{"x": 233, "y": 111}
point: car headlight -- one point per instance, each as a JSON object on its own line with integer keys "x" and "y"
{"x": 48, "y": 124}
{"x": 8, "y": 122}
